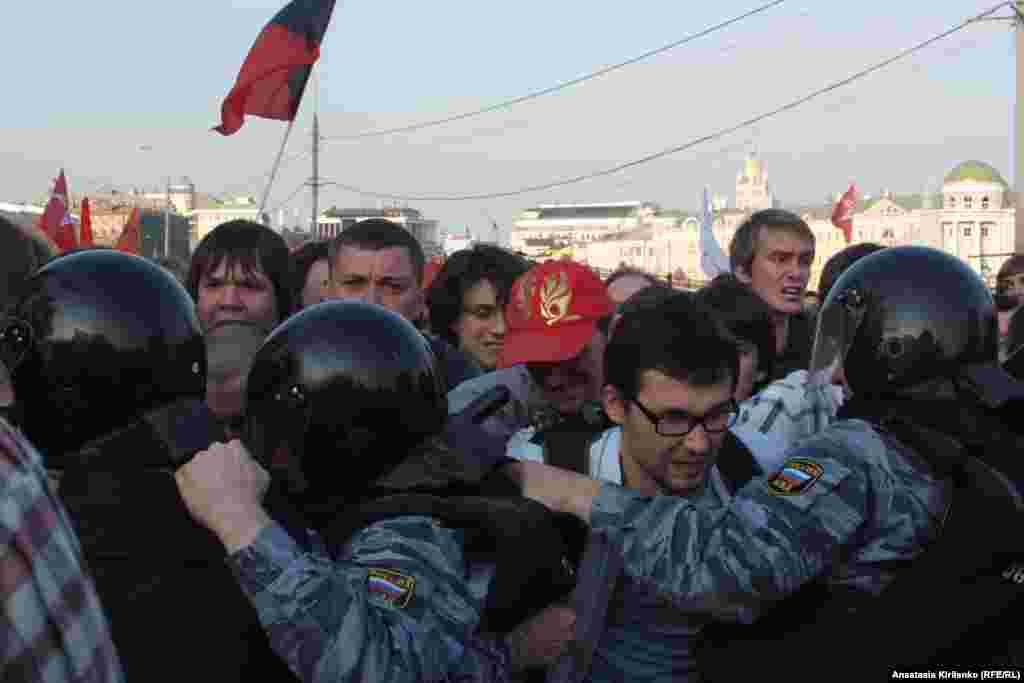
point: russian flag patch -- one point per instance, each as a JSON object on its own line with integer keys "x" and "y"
{"x": 393, "y": 587}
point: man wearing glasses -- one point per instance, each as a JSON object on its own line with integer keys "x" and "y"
{"x": 669, "y": 384}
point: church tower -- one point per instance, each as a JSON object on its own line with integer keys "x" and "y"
{"x": 752, "y": 191}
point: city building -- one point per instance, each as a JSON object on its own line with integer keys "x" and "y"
{"x": 333, "y": 221}
{"x": 970, "y": 217}
{"x": 752, "y": 191}
{"x": 209, "y": 213}
{"x": 556, "y": 226}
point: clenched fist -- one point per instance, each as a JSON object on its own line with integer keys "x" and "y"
{"x": 223, "y": 488}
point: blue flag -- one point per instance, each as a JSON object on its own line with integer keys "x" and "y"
{"x": 713, "y": 260}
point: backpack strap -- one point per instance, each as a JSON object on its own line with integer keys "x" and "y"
{"x": 567, "y": 444}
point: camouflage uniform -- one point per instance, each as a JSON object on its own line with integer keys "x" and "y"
{"x": 397, "y": 604}
{"x": 852, "y": 505}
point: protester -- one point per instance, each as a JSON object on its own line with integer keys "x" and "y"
{"x": 380, "y": 262}
{"x": 851, "y": 505}
{"x": 748, "y": 319}
{"x": 840, "y": 262}
{"x": 241, "y": 270}
{"x": 772, "y": 252}
{"x": 1010, "y": 278}
{"x": 311, "y": 273}
{"x": 626, "y": 281}
{"x": 52, "y": 626}
{"x": 670, "y": 374}
{"x": 392, "y": 590}
{"x": 467, "y": 298}
{"x": 108, "y": 366}
{"x": 1009, "y": 296}
{"x": 794, "y": 408}
{"x": 553, "y": 351}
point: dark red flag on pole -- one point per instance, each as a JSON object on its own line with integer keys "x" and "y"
{"x": 129, "y": 239}
{"x": 85, "y": 221}
{"x": 842, "y": 214}
{"x": 55, "y": 215}
{"x": 274, "y": 74}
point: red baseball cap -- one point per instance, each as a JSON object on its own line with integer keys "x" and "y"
{"x": 551, "y": 313}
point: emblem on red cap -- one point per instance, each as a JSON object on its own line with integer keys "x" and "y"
{"x": 525, "y": 293}
{"x": 555, "y": 297}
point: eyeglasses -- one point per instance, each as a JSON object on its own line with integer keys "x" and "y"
{"x": 678, "y": 423}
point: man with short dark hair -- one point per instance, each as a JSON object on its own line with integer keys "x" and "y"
{"x": 772, "y": 252}
{"x": 670, "y": 373}
{"x": 241, "y": 271}
{"x": 380, "y": 262}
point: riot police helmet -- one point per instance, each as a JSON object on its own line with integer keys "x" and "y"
{"x": 338, "y": 395}
{"x": 95, "y": 340}
{"x": 912, "y": 321}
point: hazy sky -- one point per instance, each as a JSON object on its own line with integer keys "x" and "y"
{"x": 95, "y": 81}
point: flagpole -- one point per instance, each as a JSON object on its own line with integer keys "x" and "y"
{"x": 273, "y": 171}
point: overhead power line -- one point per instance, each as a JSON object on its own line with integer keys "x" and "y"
{"x": 683, "y": 147}
{"x": 555, "y": 88}
{"x": 279, "y": 205}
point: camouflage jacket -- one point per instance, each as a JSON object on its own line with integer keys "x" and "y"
{"x": 850, "y": 505}
{"x": 397, "y": 604}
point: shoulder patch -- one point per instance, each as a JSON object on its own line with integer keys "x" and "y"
{"x": 797, "y": 476}
{"x": 395, "y": 588}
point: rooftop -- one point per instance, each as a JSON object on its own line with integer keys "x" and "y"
{"x": 975, "y": 171}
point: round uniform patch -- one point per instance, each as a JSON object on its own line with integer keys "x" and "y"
{"x": 796, "y": 476}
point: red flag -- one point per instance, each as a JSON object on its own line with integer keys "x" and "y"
{"x": 274, "y": 74}
{"x": 85, "y": 220}
{"x": 842, "y": 214}
{"x": 65, "y": 238}
{"x": 129, "y": 239}
{"x": 56, "y": 213}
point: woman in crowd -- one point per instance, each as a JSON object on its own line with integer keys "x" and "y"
{"x": 467, "y": 298}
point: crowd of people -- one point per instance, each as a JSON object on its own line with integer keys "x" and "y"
{"x": 315, "y": 465}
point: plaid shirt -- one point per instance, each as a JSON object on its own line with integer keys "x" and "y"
{"x": 52, "y": 628}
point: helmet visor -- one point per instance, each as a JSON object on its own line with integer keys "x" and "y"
{"x": 838, "y": 323}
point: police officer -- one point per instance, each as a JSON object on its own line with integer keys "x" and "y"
{"x": 912, "y": 333}
{"x": 108, "y": 369}
{"x": 345, "y": 405}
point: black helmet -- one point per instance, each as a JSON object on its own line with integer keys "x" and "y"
{"x": 906, "y": 320}
{"x": 340, "y": 393}
{"x": 96, "y": 339}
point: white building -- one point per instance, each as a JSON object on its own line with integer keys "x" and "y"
{"x": 209, "y": 217}
{"x": 423, "y": 229}
{"x": 552, "y": 226}
{"x": 971, "y": 218}
{"x": 752, "y": 191}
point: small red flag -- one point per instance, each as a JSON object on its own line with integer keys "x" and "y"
{"x": 85, "y": 220}
{"x": 65, "y": 238}
{"x": 56, "y": 213}
{"x": 129, "y": 239}
{"x": 274, "y": 75}
{"x": 842, "y": 214}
